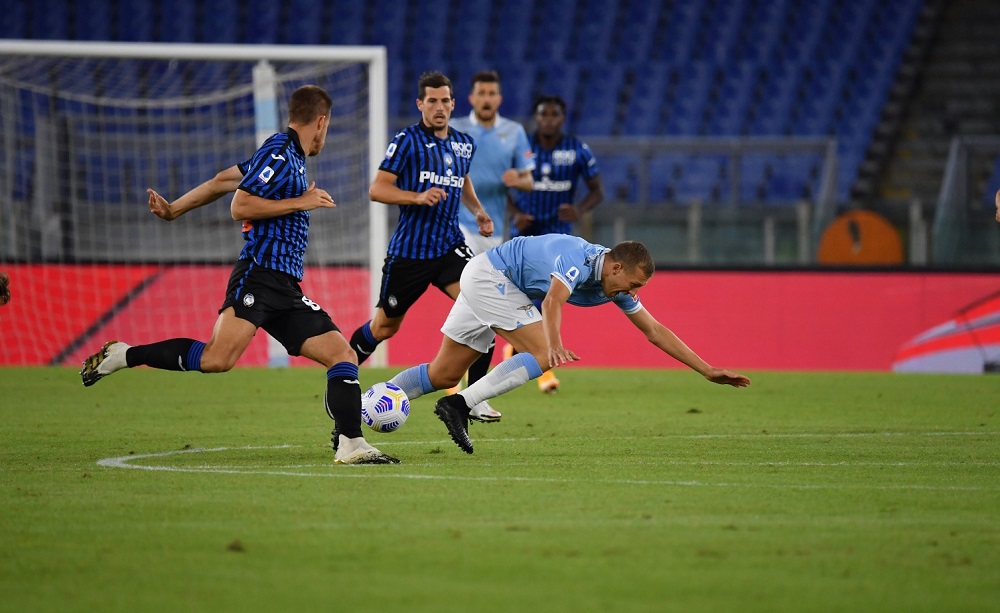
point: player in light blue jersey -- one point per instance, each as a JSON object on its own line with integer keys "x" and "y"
{"x": 498, "y": 290}
{"x": 503, "y": 159}
{"x": 273, "y": 200}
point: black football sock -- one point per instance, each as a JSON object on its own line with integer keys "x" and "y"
{"x": 343, "y": 398}
{"x": 481, "y": 366}
{"x": 363, "y": 343}
{"x": 173, "y": 354}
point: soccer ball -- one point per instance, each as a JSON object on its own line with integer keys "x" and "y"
{"x": 384, "y": 407}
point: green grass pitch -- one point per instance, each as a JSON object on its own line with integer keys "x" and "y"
{"x": 630, "y": 490}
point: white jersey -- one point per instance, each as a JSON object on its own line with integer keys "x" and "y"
{"x": 531, "y": 262}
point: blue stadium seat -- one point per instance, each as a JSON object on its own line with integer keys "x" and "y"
{"x": 593, "y": 115}
{"x": 263, "y": 21}
{"x": 14, "y": 21}
{"x": 619, "y": 175}
{"x": 643, "y": 115}
{"x": 92, "y": 20}
{"x": 49, "y": 19}
{"x": 511, "y": 41}
{"x": 347, "y": 25}
{"x": 560, "y": 79}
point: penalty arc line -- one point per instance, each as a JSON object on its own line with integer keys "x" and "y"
{"x": 125, "y": 462}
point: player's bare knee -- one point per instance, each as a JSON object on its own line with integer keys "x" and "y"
{"x": 213, "y": 364}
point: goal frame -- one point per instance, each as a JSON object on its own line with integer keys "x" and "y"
{"x": 376, "y": 57}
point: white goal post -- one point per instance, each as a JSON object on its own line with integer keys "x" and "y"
{"x": 86, "y": 127}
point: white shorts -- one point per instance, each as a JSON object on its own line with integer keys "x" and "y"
{"x": 488, "y": 300}
{"x": 479, "y": 243}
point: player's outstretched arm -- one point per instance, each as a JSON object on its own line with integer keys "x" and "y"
{"x": 246, "y": 206}
{"x": 224, "y": 182}
{"x": 997, "y": 198}
{"x": 669, "y": 343}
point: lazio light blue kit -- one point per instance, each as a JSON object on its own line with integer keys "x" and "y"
{"x": 530, "y": 262}
{"x": 499, "y": 148}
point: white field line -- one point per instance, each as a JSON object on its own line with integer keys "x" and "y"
{"x": 346, "y": 471}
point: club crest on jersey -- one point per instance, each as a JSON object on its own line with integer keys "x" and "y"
{"x": 248, "y": 300}
{"x": 392, "y": 301}
{"x": 448, "y": 160}
{"x": 529, "y": 310}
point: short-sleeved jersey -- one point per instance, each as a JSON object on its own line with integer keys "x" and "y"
{"x": 420, "y": 160}
{"x": 556, "y": 173}
{"x": 277, "y": 171}
{"x": 532, "y": 262}
{"x": 498, "y": 149}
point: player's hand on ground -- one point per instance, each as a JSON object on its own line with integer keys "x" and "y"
{"x": 560, "y": 355}
{"x": 316, "y": 198}
{"x": 159, "y": 206}
{"x": 727, "y": 377}
{"x": 431, "y": 196}
{"x": 485, "y": 223}
{"x": 568, "y": 212}
{"x": 523, "y": 221}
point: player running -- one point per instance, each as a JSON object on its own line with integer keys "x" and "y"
{"x": 273, "y": 200}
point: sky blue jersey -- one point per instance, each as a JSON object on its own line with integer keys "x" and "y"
{"x": 531, "y": 263}
{"x": 277, "y": 171}
{"x": 499, "y": 148}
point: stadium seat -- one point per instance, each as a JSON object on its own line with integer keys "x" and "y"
{"x": 347, "y": 26}
{"x": 560, "y": 80}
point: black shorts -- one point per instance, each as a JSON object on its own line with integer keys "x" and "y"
{"x": 404, "y": 280}
{"x": 274, "y": 301}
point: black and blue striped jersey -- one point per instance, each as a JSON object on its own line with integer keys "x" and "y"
{"x": 556, "y": 173}
{"x": 277, "y": 171}
{"x": 420, "y": 160}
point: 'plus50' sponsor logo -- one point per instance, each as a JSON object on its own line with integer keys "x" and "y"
{"x": 436, "y": 179}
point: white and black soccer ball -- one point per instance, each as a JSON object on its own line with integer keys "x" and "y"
{"x": 384, "y": 407}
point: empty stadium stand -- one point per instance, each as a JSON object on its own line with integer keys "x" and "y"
{"x": 626, "y": 68}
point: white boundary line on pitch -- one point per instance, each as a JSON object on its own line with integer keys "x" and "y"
{"x": 125, "y": 462}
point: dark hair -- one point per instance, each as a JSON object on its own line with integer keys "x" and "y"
{"x": 433, "y": 79}
{"x": 547, "y": 99}
{"x": 633, "y": 255}
{"x": 484, "y": 76}
{"x": 307, "y": 103}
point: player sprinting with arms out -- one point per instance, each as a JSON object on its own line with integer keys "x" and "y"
{"x": 426, "y": 173}
{"x": 498, "y": 288}
{"x": 273, "y": 200}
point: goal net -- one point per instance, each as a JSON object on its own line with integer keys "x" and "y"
{"x": 88, "y": 127}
